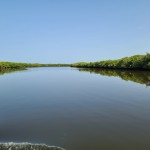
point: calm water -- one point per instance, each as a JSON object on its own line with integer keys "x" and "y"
{"x": 77, "y": 109}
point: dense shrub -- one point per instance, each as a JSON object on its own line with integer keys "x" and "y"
{"x": 12, "y": 65}
{"x": 133, "y": 62}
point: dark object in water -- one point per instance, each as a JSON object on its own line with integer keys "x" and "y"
{"x": 27, "y": 146}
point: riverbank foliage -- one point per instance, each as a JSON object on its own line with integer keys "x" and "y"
{"x": 134, "y": 62}
{"x": 140, "y": 62}
{"x": 12, "y": 65}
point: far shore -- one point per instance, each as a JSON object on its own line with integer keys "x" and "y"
{"x": 136, "y": 62}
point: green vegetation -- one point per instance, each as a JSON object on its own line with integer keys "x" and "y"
{"x": 12, "y": 65}
{"x": 140, "y": 62}
{"x": 7, "y": 67}
{"x": 142, "y": 77}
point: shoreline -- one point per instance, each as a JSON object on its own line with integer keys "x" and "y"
{"x": 136, "y": 62}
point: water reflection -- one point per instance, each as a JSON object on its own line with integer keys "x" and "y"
{"x": 142, "y": 77}
{"x": 2, "y": 72}
{"x": 75, "y": 110}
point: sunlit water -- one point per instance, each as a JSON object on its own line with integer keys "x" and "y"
{"x": 76, "y": 109}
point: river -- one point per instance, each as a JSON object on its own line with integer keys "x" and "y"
{"x": 77, "y": 109}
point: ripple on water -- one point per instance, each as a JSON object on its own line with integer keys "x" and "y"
{"x": 27, "y": 146}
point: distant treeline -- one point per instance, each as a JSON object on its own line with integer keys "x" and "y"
{"x": 12, "y": 65}
{"x": 134, "y": 62}
{"x": 142, "y": 77}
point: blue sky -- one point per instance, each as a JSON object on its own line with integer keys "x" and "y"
{"x": 67, "y": 31}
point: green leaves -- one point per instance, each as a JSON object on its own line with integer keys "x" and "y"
{"x": 12, "y": 65}
{"x": 133, "y": 62}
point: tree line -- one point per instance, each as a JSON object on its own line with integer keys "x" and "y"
{"x": 140, "y": 62}
{"x": 134, "y": 62}
{"x": 13, "y": 65}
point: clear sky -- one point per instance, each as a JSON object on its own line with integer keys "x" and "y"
{"x": 67, "y": 31}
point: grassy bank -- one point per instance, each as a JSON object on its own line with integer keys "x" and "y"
{"x": 140, "y": 62}
{"x": 12, "y": 65}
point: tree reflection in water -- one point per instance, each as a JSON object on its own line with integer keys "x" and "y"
{"x": 142, "y": 77}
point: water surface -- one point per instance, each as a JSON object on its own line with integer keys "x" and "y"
{"x": 76, "y": 109}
